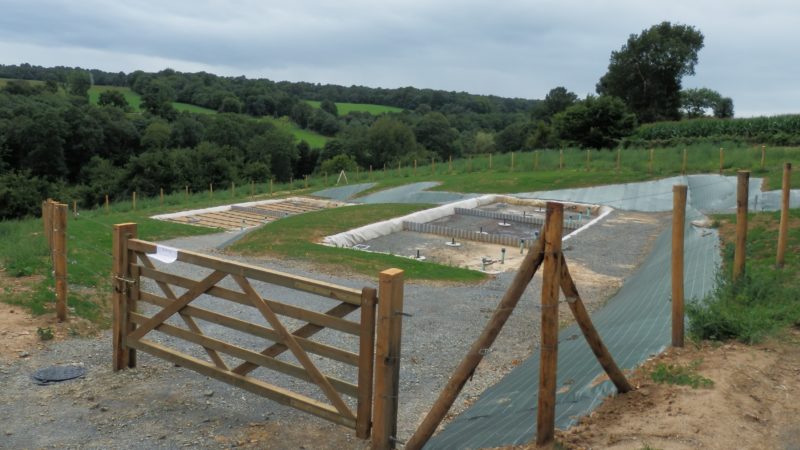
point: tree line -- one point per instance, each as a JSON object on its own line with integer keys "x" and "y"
{"x": 53, "y": 140}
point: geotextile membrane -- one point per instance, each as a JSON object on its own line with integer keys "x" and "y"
{"x": 634, "y": 324}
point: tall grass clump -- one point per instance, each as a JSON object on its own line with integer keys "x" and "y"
{"x": 758, "y": 304}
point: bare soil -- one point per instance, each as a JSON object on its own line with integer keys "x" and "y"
{"x": 753, "y": 403}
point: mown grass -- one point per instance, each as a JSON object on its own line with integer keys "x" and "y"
{"x": 544, "y": 170}
{"x": 345, "y": 108}
{"x": 295, "y": 238}
{"x": 762, "y": 302}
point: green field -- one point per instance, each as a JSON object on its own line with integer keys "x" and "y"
{"x": 295, "y": 237}
{"x": 344, "y": 108}
{"x": 315, "y": 140}
{"x": 133, "y": 99}
{"x": 4, "y": 81}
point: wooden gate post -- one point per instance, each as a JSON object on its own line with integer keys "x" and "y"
{"x": 739, "y": 256}
{"x": 551, "y": 282}
{"x": 387, "y": 359}
{"x": 60, "y": 258}
{"x": 678, "y": 228}
{"x": 366, "y": 361}
{"x": 783, "y": 231}
{"x": 122, "y": 304}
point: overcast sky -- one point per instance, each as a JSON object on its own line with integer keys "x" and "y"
{"x": 508, "y": 48}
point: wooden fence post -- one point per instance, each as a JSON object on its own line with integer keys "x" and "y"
{"x": 366, "y": 360}
{"x": 535, "y": 159}
{"x": 210, "y": 190}
{"x": 763, "y": 155}
{"x": 650, "y": 164}
{"x": 465, "y": 369}
{"x": 450, "y": 164}
{"x": 415, "y": 167}
{"x": 678, "y": 228}
{"x": 121, "y": 326}
{"x": 619, "y": 158}
{"x": 561, "y": 159}
{"x": 47, "y": 222}
{"x": 387, "y": 359}
{"x": 551, "y": 282}
{"x": 270, "y": 186}
{"x": 60, "y": 258}
{"x": 134, "y": 200}
{"x": 783, "y": 230}
{"x": 161, "y": 196}
{"x": 433, "y": 166}
{"x": 490, "y": 161}
{"x": 742, "y": 186}
{"x": 683, "y": 166}
{"x": 107, "y": 206}
{"x": 75, "y": 209}
{"x": 186, "y": 192}
{"x": 721, "y": 159}
{"x": 233, "y": 189}
{"x": 512, "y": 161}
{"x": 252, "y": 190}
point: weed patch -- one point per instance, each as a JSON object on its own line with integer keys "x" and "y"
{"x": 681, "y": 375}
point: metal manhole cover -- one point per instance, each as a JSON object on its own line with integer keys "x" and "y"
{"x": 54, "y": 374}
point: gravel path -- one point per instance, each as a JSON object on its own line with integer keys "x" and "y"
{"x": 160, "y": 406}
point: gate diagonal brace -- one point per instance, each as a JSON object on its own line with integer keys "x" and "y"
{"x": 199, "y": 289}
{"x": 297, "y": 351}
{"x": 189, "y": 321}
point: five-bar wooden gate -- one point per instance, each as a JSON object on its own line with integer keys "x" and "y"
{"x": 131, "y": 328}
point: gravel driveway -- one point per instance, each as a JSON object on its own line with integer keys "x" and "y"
{"x": 161, "y": 406}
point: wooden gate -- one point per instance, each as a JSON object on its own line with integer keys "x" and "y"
{"x": 132, "y": 263}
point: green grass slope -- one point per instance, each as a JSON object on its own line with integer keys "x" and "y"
{"x": 344, "y": 108}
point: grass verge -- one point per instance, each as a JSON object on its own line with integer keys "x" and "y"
{"x": 24, "y": 252}
{"x": 295, "y": 238}
{"x": 762, "y": 302}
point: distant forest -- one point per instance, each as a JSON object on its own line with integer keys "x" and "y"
{"x": 55, "y": 141}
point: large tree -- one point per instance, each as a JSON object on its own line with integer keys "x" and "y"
{"x": 646, "y": 72}
{"x": 596, "y": 122}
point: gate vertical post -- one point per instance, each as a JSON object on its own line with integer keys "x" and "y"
{"x": 123, "y": 356}
{"x": 366, "y": 361}
{"x": 551, "y": 283}
{"x": 387, "y": 357}
{"x": 678, "y": 229}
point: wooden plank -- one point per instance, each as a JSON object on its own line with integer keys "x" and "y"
{"x": 272, "y": 392}
{"x": 387, "y": 359}
{"x": 551, "y": 278}
{"x": 186, "y": 319}
{"x": 321, "y": 319}
{"x": 294, "y": 347}
{"x": 590, "y": 332}
{"x": 119, "y": 272}
{"x": 678, "y": 229}
{"x": 462, "y": 373}
{"x": 327, "y": 351}
{"x": 247, "y": 355}
{"x": 366, "y": 352}
{"x": 198, "y": 289}
{"x": 321, "y": 288}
